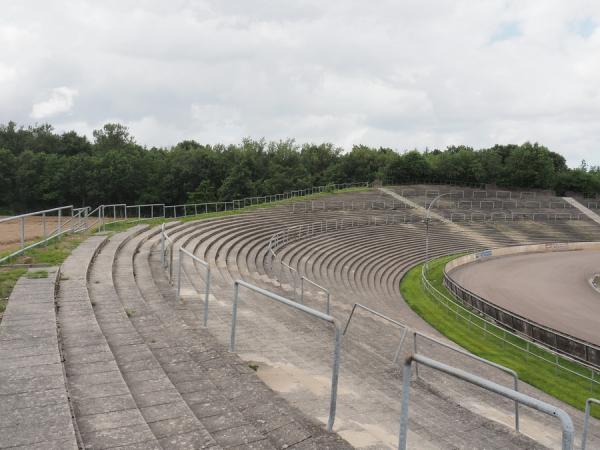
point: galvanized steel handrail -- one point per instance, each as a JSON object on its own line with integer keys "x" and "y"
{"x": 461, "y": 351}
{"x": 586, "y": 421}
{"x": 568, "y": 430}
{"x": 61, "y": 228}
{"x": 305, "y": 309}
{"x": 384, "y": 317}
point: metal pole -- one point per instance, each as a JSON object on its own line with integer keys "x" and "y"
{"x": 415, "y": 352}
{"x": 179, "y": 273}
{"x": 334, "y": 378}
{"x": 406, "y": 378}
{"x": 22, "y": 232}
{"x": 44, "y": 225}
{"x": 206, "y": 294}
{"x": 59, "y": 221}
{"x": 162, "y": 245}
{"x": 236, "y": 291}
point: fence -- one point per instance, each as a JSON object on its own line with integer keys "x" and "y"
{"x": 307, "y": 310}
{"x": 518, "y": 397}
{"x": 437, "y": 342}
{"x": 507, "y": 337}
{"x": 586, "y": 421}
{"x": 68, "y": 219}
{"x": 558, "y": 342}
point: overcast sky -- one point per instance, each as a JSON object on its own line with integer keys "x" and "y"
{"x": 402, "y": 74}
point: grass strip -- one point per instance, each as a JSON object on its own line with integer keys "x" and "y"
{"x": 538, "y": 369}
{"x": 123, "y": 225}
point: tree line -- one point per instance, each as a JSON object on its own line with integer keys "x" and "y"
{"x": 41, "y": 168}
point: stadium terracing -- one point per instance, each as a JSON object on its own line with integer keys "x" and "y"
{"x": 234, "y": 331}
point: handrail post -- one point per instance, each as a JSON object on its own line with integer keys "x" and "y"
{"x": 334, "y": 378}
{"x": 328, "y": 299}
{"x": 22, "y": 232}
{"x": 586, "y": 422}
{"x": 236, "y": 293}
{"x": 179, "y": 273}
{"x": 162, "y": 246}
{"x": 406, "y": 379}
{"x": 206, "y": 294}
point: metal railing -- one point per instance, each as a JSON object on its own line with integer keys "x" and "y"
{"x": 305, "y": 309}
{"x": 586, "y": 421}
{"x": 70, "y": 222}
{"x": 577, "y": 349}
{"x": 507, "y": 337}
{"x": 568, "y": 430}
{"x": 433, "y": 340}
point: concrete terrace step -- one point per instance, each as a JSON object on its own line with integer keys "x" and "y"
{"x": 357, "y": 266}
{"x": 105, "y": 410}
{"x": 222, "y": 390}
{"x": 168, "y": 417}
{"x": 34, "y": 406}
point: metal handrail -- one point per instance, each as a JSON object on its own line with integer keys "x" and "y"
{"x": 568, "y": 430}
{"x": 461, "y": 351}
{"x": 35, "y": 213}
{"x": 304, "y": 309}
{"x": 586, "y": 421}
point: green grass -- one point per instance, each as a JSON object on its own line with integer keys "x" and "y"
{"x": 37, "y": 274}
{"x": 53, "y": 254}
{"x": 542, "y": 374}
{"x": 124, "y": 225}
{"x": 8, "y": 279}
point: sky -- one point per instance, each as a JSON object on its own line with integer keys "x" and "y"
{"x": 399, "y": 74}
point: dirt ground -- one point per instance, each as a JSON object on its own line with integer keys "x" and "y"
{"x": 10, "y": 231}
{"x": 552, "y": 289}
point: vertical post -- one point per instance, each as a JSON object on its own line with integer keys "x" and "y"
{"x": 302, "y": 290}
{"x": 334, "y": 378}
{"x": 206, "y": 294}
{"x": 415, "y": 352}
{"x": 406, "y": 378}
{"x": 59, "y": 221}
{"x": 22, "y": 232}
{"x": 162, "y": 245}
{"x": 586, "y": 424}
{"x": 44, "y": 226}
{"x": 328, "y": 298}
{"x": 179, "y": 273}
{"x": 139, "y": 211}
{"x": 236, "y": 291}
{"x": 115, "y": 212}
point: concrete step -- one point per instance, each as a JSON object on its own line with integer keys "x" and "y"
{"x": 34, "y": 408}
{"x": 133, "y": 336}
{"x": 106, "y": 412}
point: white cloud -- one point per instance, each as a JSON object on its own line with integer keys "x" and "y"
{"x": 60, "y": 101}
{"x": 400, "y": 74}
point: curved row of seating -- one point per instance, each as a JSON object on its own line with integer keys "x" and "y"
{"x": 355, "y": 263}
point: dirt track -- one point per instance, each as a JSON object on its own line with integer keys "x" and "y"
{"x": 10, "y": 231}
{"x": 552, "y": 289}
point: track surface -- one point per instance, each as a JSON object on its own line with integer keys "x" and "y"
{"x": 552, "y": 289}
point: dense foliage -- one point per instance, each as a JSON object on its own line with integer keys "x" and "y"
{"x": 41, "y": 168}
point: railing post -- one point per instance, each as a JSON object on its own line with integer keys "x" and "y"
{"x": 334, "y": 378}
{"x": 162, "y": 246}
{"x": 59, "y": 222}
{"x": 406, "y": 379}
{"x": 328, "y": 298}
{"x": 22, "y": 232}
{"x": 206, "y": 294}
{"x": 179, "y": 273}
{"x": 302, "y": 290}
{"x": 44, "y": 226}
{"x": 236, "y": 291}
{"x": 415, "y": 334}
